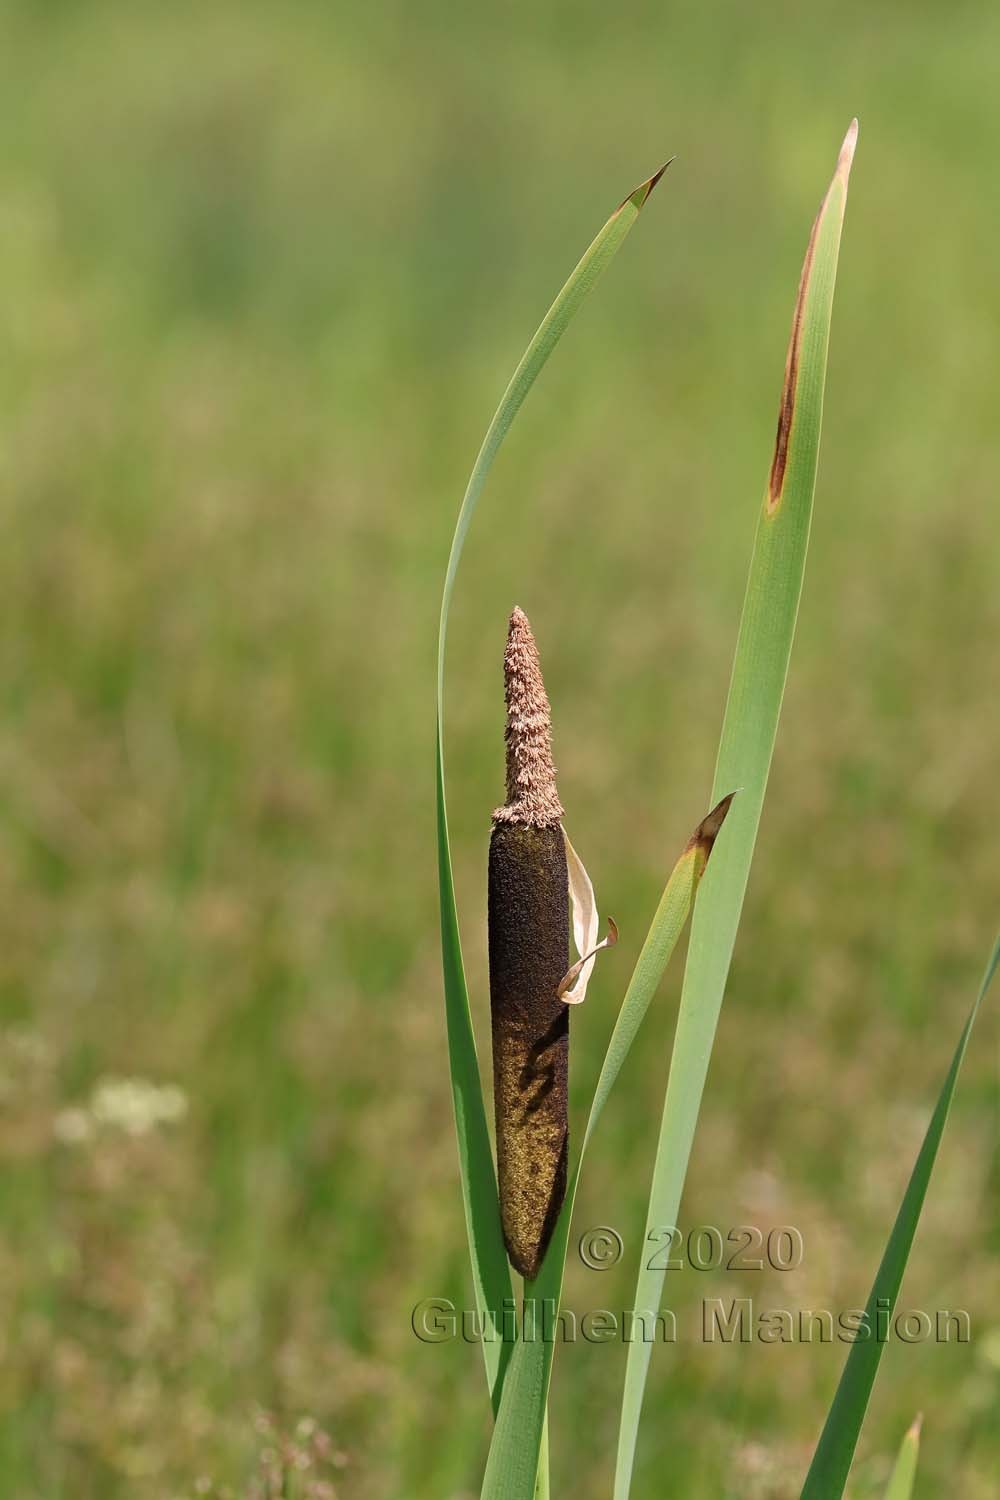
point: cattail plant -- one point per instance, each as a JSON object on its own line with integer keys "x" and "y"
{"x": 534, "y": 877}
{"x": 537, "y": 886}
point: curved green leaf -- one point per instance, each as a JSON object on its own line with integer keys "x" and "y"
{"x": 490, "y": 1272}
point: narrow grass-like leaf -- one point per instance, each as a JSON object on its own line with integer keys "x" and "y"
{"x": 514, "y": 1451}
{"x": 491, "y": 1275}
{"x": 835, "y": 1451}
{"x": 542, "y": 1476}
{"x": 748, "y": 733}
{"x": 490, "y": 1272}
{"x": 900, "y": 1486}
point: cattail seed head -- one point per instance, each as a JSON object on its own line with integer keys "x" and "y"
{"x": 528, "y": 956}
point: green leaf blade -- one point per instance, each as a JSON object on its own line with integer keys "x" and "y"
{"x": 490, "y": 1271}
{"x": 835, "y": 1451}
{"x": 749, "y": 729}
{"x": 588, "y": 270}
{"x": 900, "y": 1486}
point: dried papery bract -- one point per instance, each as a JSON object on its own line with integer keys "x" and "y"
{"x": 529, "y": 956}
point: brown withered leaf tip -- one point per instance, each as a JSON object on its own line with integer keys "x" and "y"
{"x": 786, "y": 410}
{"x": 532, "y": 797}
{"x": 707, "y": 832}
{"x": 645, "y": 188}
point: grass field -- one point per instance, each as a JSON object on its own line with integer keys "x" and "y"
{"x": 265, "y": 270}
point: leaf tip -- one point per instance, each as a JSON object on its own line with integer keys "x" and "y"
{"x": 786, "y": 411}
{"x": 914, "y": 1429}
{"x": 707, "y": 832}
{"x": 642, "y": 192}
{"x": 847, "y": 150}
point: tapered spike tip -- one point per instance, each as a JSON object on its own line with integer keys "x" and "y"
{"x": 532, "y": 797}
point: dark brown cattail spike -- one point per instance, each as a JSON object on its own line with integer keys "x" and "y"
{"x": 529, "y": 955}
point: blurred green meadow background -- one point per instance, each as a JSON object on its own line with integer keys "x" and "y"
{"x": 265, "y": 271}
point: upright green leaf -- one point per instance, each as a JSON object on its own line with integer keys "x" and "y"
{"x": 748, "y": 733}
{"x": 514, "y": 1451}
{"x": 479, "y": 1190}
{"x": 835, "y": 1451}
{"x": 900, "y": 1485}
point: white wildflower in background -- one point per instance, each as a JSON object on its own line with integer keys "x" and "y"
{"x": 134, "y": 1106}
{"x": 137, "y": 1106}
